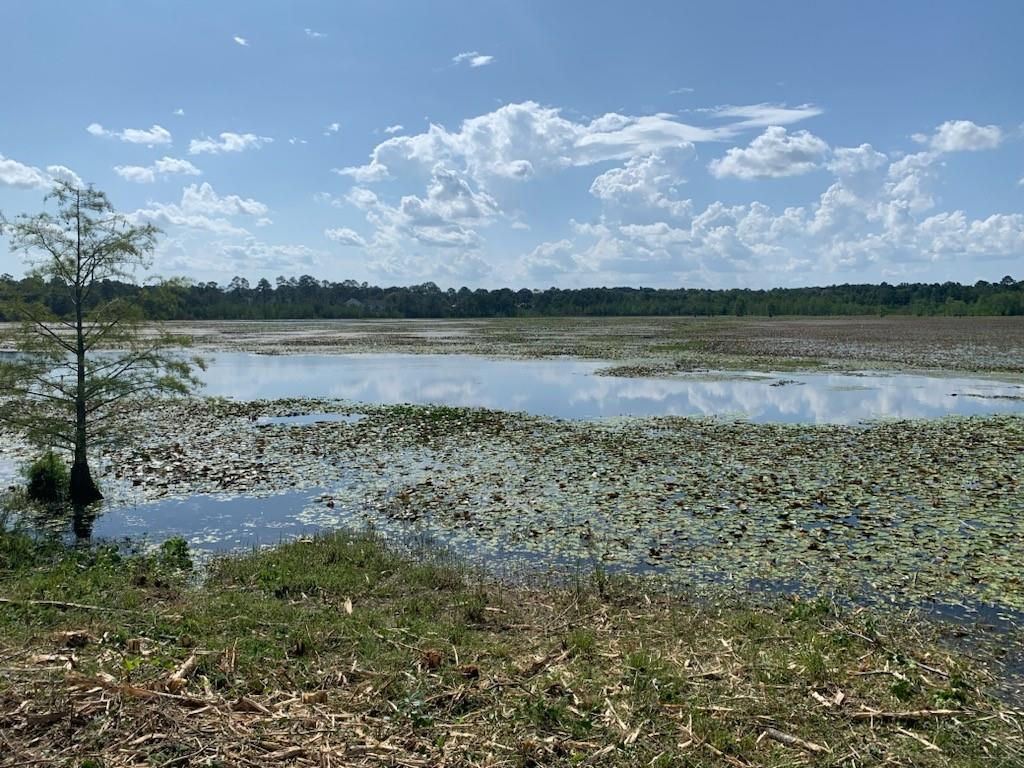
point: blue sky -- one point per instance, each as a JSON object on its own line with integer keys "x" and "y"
{"x": 532, "y": 143}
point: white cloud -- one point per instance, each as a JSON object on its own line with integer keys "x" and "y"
{"x": 877, "y": 216}
{"x": 518, "y": 141}
{"x": 241, "y": 41}
{"x": 850, "y": 161}
{"x": 165, "y": 166}
{"x": 179, "y": 112}
{"x": 446, "y": 217}
{"x": 872, "y": 217}
{"x": 155, "y": 135}
{"x": 332, "y": 128}
{"x": 677, "y": 91}
{"x": 65, "y": 174}
{"x": 647, "y": 182}
{"x": 345, "y": 236}
{"x": 364, "y": 174}
{"x": 223, "y": 256}
{"x": 202, "y": 208}
{"x": 171, "y": 215}
{"x": 136, "y": 173}
{"x": 201, "y": 198}
{"x": 473, "y": 58}
{"x": 15, "y": 174}
{"x": 910, "y": 179}
{"x": 965, "y": 136}
{"x": 551, "y": 259}
{"x": 763, "y": 115}
{"x": 313, "y": 34}
{"x": 256, "y": 256}
{"x": 361, "y": 198}
{"x": 229, "y": 142}
{"x": 773, "y": 154}
{"x": 450, "y": 198}
{"x": 297, "y": 140}
{"x": 175, "y": 165}
{"x": 393, "y": 129}
{"x": 21, "y": 176}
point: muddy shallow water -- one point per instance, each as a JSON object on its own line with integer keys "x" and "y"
{"x": 566, "y": 388}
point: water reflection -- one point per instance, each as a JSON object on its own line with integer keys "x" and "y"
{"x": 567, "y": 388}
{"x": 212, "y": 523}
{"x": 9, "y": 471}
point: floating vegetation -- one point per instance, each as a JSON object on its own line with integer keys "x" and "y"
{"x": 895, "y": 511}
{"x": 656, "y": 345}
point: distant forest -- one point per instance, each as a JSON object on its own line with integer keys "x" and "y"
{"x": 308, "y": 298}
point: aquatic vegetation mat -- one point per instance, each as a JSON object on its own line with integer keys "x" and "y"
{"x": 903, "y": 512}
{"x": 657, "y": 344}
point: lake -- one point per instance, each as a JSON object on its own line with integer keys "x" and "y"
{"x": 570, "y": 389}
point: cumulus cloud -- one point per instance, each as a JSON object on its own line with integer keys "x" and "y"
{"x": 393, "y": 129}
{"x": 850, "y": 161}
{"x": 446, "y": 217}
{"x": 332, "y": 128}
{"x": 519, "y": 141}
{"x": 165, "y": 166}
{"x": 155, "y": 135}
{"x": 257, "y": 256}
{"x": 875, "y": 215}
{"x": 647, "y": 183}
{"x": 473, "y": 59}
{"x": 65, "y": 174}
{"x": 229, "y": 142}
{"x": 314, "y": 35}
{"x": 962, "y": 136}
{"x": 550, "y": 259}
{"x": 201, "y": 198}
{"x": 773, "y": 154}
{"x": 179, "y": 112}
{"x": 21, "y": 176}
{"x": 202, "y": 208}
{"x": 241, "y": 41}
{"x": 136, "y": 173}
{"x": 15, "y": 174}
{"x": 345, "y": 236}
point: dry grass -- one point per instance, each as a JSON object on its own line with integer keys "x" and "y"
{"x": 340, "y": 652}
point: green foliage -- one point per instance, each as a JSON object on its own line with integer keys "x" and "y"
{"x": 358, "y": 628}
{"x": 308, "y": 297}
{"x": 47, "y": 479}
{"x": 82, "y": 348}
{"x": 174, "y": 554}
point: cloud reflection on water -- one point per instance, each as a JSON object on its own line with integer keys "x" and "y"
{"x": 568, "y": 389}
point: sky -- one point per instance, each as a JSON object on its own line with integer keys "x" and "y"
{"x": 530, "y": 143}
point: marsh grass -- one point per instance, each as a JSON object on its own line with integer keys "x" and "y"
{"x": 340, "y": 648}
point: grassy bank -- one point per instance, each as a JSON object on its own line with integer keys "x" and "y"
{"x": 339, "y": 651}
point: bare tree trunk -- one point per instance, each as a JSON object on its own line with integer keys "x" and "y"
{"x": 83, "y": 488}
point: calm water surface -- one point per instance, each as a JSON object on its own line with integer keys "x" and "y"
{"x": 566, "y": 388}
{"x": 216, "y": 523}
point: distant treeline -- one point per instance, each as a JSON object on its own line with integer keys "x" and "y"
{"x": 308, "y": 298}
